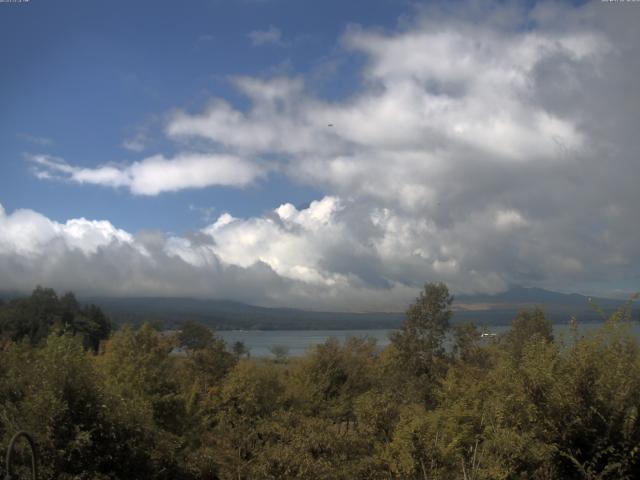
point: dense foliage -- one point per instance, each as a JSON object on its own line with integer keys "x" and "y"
{"x": 522, "y": 406}
{"x": 35, "y": 317}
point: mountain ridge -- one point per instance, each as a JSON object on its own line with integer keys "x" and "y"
{"x": 498, "y": 309}
{"x": 483, "y": 309}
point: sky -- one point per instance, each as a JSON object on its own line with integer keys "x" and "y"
{"x": 324, "y": 155}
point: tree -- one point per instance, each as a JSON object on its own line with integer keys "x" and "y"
{"x": 195, "y": 336}
{"x": 528, "y": 326}
{"x": 210, "y": 364}
{"x": 38, "y": 313}
{"x": 239, "y": 349}
{"x": 92, "y": 324}
{"x": 328, "y": 380}
{"x": 280, "y": 352}
{"x": 53, "y": 392}
{"x": 43, "y": 312}
{"x": 466, "y": 343}
{"x": 420, "y": 340}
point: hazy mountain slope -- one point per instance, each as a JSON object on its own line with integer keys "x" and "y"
{"x": 222, "y": 314}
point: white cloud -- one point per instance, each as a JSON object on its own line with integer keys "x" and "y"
{"x": 26, "y": 233}
{"x": 275, "y": 124}
{"x": 509, "y": 218}
{"x": 271, "y": 36}
{"x": 421, "y": 96}
{"x": 482, "y": 138}
{"x": 156, "y": 174}
{"x": 290, "y": 242}
{"x": 95, "y": 257}
{"x": 475, "y": 151}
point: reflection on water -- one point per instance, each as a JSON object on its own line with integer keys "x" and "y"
{"x": 259, "y": 342}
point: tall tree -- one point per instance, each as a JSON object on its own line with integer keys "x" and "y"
{"x": 420, "y": 342}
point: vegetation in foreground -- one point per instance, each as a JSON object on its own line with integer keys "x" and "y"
{"x": 524, "y": 406}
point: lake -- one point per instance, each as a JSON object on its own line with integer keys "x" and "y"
{"x": 298, "y": 342}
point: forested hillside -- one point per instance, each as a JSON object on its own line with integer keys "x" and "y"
{"x": 526, "y": 405}
{"x": 33, "y": 318}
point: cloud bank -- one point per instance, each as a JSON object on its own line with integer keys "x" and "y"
{"x": 226, "y": 260}
{"x": 484, "y": 148}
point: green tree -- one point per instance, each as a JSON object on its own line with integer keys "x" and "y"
{"x": 92, "y": 325}
{"x": 466, "y": 344}
{"x": 55, "y": 393}
{"x": 143, "y": 386}
{"x": 328, "y": 380}
{"x": 419, "y": 344}
{"x": 36, "y": 316}
{"x": 239, "y": 349}
{"x": 210, "y": 364}
{"x": 195, "y": 336}
{"x": 529, "y": 325}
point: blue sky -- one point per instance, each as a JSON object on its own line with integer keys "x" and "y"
{"x": 80, "y": 78}
{"x": 331, "y": 155}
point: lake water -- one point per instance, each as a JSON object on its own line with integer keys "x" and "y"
{"x": 298, "y": 342}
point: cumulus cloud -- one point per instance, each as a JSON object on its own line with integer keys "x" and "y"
{"x": 155, "y": 174}
{"x": 484, "y": 147}
{"x": 271, "y": 36}
{"x": 95, "y": 257}
{"x": 504, "y": 149}
{"x": 27, "y": 234}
